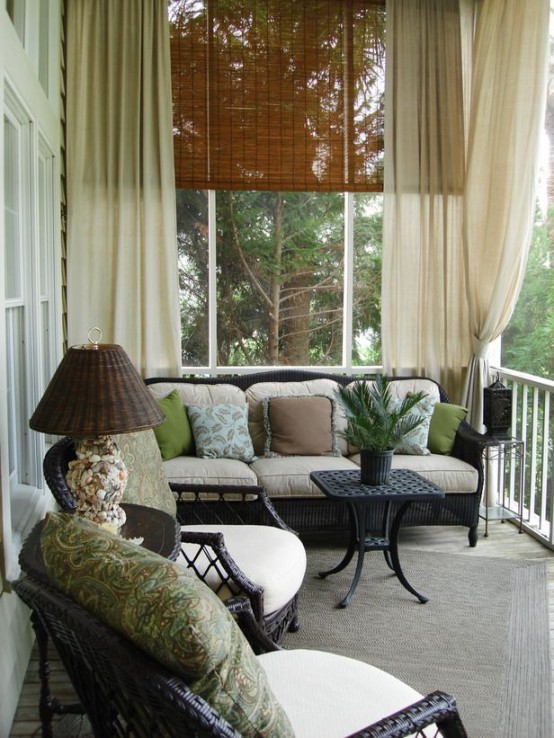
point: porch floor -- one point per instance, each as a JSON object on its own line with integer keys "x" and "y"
{"x": 503, "y": 541}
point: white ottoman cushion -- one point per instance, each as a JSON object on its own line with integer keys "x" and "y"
{"x": 329, "y": 696}
{"x": 274, "y": 559}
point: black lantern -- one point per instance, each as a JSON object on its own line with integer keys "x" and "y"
{"x": 497, "y": 409}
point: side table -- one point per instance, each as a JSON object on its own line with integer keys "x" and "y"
{"x": 496, "y": 451}
{"x": 405, "y": 486}
{"x": 160, "y": 533}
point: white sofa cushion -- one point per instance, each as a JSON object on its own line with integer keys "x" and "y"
{"x": 274, "y": 559}
{"x": 290, "y": 476}
{"x": 257, "y": 392}
{"x": 401, "y": 387}
{"x": 329, "y": 696}
{"x": 200, "y": 394}
{"x": 447, "y": 472}
{"x": 194, "y": 470}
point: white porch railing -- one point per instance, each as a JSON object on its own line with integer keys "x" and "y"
{"x": 533, "y": 422}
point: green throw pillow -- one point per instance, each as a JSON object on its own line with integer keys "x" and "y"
{"x": 167, "y": 612}
{"x": 174, "y": 435}
{"x": 221, "y": 431}
{"x": 445, "y": 421}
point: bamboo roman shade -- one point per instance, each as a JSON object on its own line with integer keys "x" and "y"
{"x": 278, "y": 94}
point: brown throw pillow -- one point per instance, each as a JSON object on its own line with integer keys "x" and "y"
{"x": 299, "y": 426}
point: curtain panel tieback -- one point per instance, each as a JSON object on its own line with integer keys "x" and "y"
{"x": 480, "y": 348}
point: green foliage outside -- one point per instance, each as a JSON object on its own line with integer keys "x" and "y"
{"x": 280, "y": 267}
{"x": 280, "y": 278}
{"x": 528, "y": 341}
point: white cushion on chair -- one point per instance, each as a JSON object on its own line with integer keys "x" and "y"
{"x": 274, "y": 559}
{"x": 328, "y": 696}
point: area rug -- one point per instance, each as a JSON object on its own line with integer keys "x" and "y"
{"x": 483, "y": 636}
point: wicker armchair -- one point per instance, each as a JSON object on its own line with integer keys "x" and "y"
{"x": 219, "y": 526}
{"x": 125, "y": 692}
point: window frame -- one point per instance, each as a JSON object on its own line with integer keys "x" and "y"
{"x": 35, "y": 116}
{"x": 346, "y": 366}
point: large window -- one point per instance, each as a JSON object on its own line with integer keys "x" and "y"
{"x": 272, "y": 278}
{"x": 278, "y": 132}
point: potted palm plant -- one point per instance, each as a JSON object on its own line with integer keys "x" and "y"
{"x": 377, "y": 422}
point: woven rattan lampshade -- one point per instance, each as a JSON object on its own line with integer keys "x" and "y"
{"x": 95, "y": 391}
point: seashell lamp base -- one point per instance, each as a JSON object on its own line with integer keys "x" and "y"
{"x": 97, "y": 478}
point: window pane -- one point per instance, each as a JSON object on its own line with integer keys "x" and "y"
{"x": 43, "y": 44}
{"x": 12, "y": 216}
{"x": 15, "y": 392}
{"x": 46, "y": 257}
{"x": 192, "y": 240}
{"x": 16, "y": 11}
{"x": 366, "y": 310}
{"x": 279, "y": 278}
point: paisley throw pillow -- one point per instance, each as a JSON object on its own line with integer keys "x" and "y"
{"x": 167, "y": 612}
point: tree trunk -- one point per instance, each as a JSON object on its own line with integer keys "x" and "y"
{"x": 275, "y": 285}
{"x": 296, "y": 323}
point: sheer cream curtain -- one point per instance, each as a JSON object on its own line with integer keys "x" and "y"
{"x": 424, "y": 316}
{"x": 510, "y": 64}
{"x": 121, "y": 261}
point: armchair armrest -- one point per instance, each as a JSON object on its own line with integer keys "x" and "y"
{"x": 213, "y": 564}
{"x": 436, "y": 708}
{"x": 241, "y": 609}
{"x": 468, "y": 446}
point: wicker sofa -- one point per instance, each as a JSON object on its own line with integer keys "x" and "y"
{"x": 286, "y": 476}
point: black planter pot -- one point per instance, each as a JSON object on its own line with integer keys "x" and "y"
{"x": 375, "y": 467}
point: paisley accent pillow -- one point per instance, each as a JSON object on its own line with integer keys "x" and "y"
{"x": 167, "y": 612}
{"x": 415, "y": 442}
{"x": 147, "y": 483}
{"x": 221, "y": 431}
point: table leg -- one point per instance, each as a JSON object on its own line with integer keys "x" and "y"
{"x": 386, "y": 533}
{"x": 394, "y": 553}
{"x": 358, "y": 514}
{"x": 351, "y": 546}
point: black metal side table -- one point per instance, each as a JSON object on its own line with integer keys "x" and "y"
{"x": 160, "y": 532}
{"x": 405, "y": 487}
{"x": 496, "y": 453}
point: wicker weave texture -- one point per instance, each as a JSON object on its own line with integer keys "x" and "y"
{"x": 95, "y": 391}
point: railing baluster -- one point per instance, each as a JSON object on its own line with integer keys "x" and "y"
{"x": 533, "y": 457}
{"x": 545, "y": 447}
{"x": 532, "y": 422}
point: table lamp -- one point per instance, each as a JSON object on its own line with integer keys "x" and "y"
{"x": 96, "y": 392}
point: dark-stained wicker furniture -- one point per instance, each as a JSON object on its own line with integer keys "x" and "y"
{"x": 310, "y": 514}
{"x": 217, "y": 505}
{"x": 125, "y": 692}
